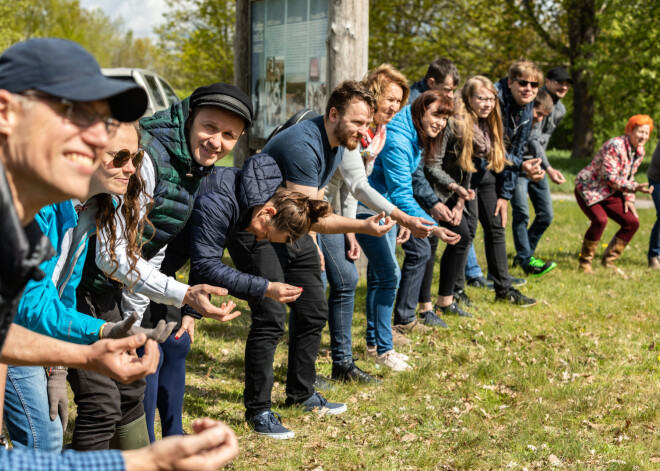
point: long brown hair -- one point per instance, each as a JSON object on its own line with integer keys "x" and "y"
{"x": 469, "y": 120}
{"x": 296, "y": 212}
{"x": 132, "y": 224}
{"x": 418, "y": 108}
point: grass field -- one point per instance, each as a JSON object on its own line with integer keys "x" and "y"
{"x": 572, "y": 383}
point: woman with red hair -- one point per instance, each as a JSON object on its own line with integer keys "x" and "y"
{"x": 606, "y": 188}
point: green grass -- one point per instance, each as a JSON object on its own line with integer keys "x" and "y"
{"x": 572, "y": 381}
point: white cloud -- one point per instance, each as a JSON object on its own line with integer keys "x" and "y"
{"x": 141, "y": 16}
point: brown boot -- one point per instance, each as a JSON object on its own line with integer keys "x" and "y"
{"x": 654, "y": 263}
{"x": 587, "y": 255}
{"x": 612, "y": 254}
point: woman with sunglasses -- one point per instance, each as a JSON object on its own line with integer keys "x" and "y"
{"x": 413, "y": 134}
{"x": 48, "y": 306}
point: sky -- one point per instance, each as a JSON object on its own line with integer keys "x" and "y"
{"x": 139, "y": 15}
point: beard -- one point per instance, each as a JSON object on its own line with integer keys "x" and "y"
{"x": 345, "y": 137}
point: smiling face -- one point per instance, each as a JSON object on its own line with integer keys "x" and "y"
{"x": 432, "y": 121}
{"x": 111, "y": 179}
{"x": 640, "y": 135}
{"x": 539, "y": 114}
{"x": 523, "y": 94}
{"x": 48, "y": 151}
{"x": 557, "y": 88}
{"x": 213, "y": 134}
{"x": 482, "y": 101}
{"x": 389, "y": 103}
{"x": 352, "y": 126}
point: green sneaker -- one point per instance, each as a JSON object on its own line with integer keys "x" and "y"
{"x": 537, "y": 267}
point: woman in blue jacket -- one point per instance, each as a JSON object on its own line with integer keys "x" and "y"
{"x": 415, "y": 132}
{"x": 48, "y": 306}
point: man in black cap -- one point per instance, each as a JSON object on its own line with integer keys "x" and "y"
{"x": 182, "y": 145}
{"x": 557, "y": 84}
{"x": 56, "y": 113}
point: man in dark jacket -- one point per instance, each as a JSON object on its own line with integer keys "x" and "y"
{"x": 442, "y": 75}
{"x": 557, "y": 84}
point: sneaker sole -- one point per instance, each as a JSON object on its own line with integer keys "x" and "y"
{"x": 277, "y": 436}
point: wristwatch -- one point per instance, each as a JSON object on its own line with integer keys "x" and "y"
{"x": 3, "y": 442}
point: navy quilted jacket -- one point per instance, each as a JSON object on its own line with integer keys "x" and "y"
{"x": 228, "y": 197}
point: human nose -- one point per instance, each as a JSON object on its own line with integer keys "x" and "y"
{"x": 96, "y": 135}
{"x": 129, "y": 167}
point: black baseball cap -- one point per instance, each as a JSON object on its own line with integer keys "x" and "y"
{"x": 223, "y": 95}
{"x": 64, "y": 69}
{"x": 559, "y": 74}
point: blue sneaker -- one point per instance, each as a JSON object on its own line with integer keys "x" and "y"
{"x": 431, "y": 319}
{"x": 267, "y": 423}
{"x": 317, "y": 403}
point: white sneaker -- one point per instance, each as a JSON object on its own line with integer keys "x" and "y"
{"x": 393, "y": 361}
{"x": 403, "y": 356}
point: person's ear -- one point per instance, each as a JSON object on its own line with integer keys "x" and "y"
{"x": 269, "y": 210}
{"x": 430, "y": 82}
{"x": 509, "y": 82}
{"x": 8, "y": 112}
{"x": 333, "y": 116}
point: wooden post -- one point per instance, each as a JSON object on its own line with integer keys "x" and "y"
{"x": 242, "y": 60}
{"x": 347, "y": 40}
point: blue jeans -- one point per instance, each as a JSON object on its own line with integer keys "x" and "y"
{"x": 27, "y": 410}
{"x": 418, "y": 252}
{"x": 383, "y": 276}
{"x": 526, "y": 239}
{"x": 342, "y": 275}
{"x": 472, "y": 268}
{"x": 654, "y": 242}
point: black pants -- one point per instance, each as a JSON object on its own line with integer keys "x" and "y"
{"x": 297, "y": 264}
{"x": 483, "y": 210}
{"x": 103, "y": 403}
{"x": 417, "y": 254}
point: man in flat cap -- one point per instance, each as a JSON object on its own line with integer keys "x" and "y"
{"x": 182, "y": 145}
{"x": 56, "y": 113}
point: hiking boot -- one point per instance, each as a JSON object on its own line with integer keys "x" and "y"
{"x": 414, "y": 326}
{"x": 347, "y": 371}
{"x": 431, "y": 319}
{"x": 371, "y": 351}
{"x": 399, "y": 339}
{"x": 461, "y": 298}
{"x": 323, "y": 384}
{"x": 393, "y": 361}
{"x": 452, "y": 309}
{"x": 480, "y": 282}
{"x": 513, "y": 296}
{"x": 612, "y": 253}
{"x": 267, "y": 423}
{"x": 318, "y": 403}
{"x": 654, "y": 263}
{"x": 587, "y": 255}
{"x": 537, "y": 267}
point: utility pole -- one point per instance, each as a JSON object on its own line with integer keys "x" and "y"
{"x": 347, "y": 41}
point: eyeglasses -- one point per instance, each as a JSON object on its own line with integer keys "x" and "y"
{"x": 524, "y": 83}
{"x": 485, "y": 99}
{"x": 120, "y": 157}
{"x": 79, "y": 113}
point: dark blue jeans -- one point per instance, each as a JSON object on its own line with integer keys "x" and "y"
{"x": 383, "y": 276}
{"x": 654, "y": 241}
{"x": 342, "y": 276}
{"x": 165, "y": 388}
{"x": 526, "y": 239}
{"x": 418, "y": 252}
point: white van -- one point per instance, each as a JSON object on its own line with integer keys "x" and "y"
{"x": 161, "y": 94}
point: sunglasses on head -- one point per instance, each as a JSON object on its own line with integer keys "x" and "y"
{"x": 120, "y": 157}
{"x": 524, "y": 83}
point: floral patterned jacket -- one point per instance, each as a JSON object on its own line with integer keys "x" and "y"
{"x": 613, "y": 169}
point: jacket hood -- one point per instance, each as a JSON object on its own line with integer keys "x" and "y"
{"x": 402, "y": 125}
{"x": 259, "y": 180}
{"x": 168, "y": 127}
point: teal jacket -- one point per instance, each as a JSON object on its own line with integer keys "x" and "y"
{"x": 48, "y": 306}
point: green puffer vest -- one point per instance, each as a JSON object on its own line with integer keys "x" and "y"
{"x": 178, "y": 180}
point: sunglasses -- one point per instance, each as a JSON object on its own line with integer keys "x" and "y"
{"x": 524, "y": 83}
{"x": 120, "y": 157}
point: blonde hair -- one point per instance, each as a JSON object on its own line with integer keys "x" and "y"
{"x": 383, "y": 75}
{"x": 468, "y": 120}
{"x": 525, "y": 68}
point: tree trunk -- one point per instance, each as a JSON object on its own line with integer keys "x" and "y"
{"x": 242, "y": 62}
{"x": 582, "y": 33}
{"x": 347, "y": 41}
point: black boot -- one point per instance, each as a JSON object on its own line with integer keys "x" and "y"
{"x": 346, "y": 371}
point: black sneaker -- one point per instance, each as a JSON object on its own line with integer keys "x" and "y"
{"x": 480, "y": 282}
{"x": 513, "y": 296}
{"x": 323, "y": 384}
{"x": 317, "y": 403}
{"x": 267, "y": 423}
{"x": 347, "y": 371}
{"x": 461, "y": 298}
{"x": 452, "y": 309}
{"x": 431, "y": 319}
{"x": 537, "y": 267}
